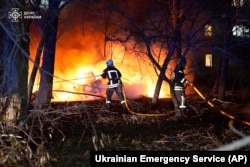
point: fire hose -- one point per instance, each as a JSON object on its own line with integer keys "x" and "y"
{"x": 125, "y": 98}
{"x": 143, "y": 114}
{"x": 220, "y": 111}
{"x": 170, "y": 113}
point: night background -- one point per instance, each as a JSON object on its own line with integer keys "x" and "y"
{"x": 52, "y": 53}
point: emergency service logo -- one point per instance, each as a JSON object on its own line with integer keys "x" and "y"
{"x": 15, "y": 14}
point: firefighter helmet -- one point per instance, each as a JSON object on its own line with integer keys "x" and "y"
{"x": 181, "y": 62}
{"x": 109, "y": 63}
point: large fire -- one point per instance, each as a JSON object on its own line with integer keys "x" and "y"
{"x": 70, "y": 83}
{"x": 80, "y": 60}
{"x": 77, "y": 72}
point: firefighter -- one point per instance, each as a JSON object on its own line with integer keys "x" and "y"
{"x": 179, "y": 83}
{"x": 114, "y": 84}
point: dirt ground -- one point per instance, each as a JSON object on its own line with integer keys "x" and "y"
{"x": 97, "y": 129}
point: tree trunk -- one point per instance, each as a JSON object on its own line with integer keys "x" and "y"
{"x": 222, "y": 80}
{"x": 162, "y": 76}
{"x": 225, "y": 57}
{"x": 46, "y": 83}
{"x": 172, "y": 49}
{"x": 15, "y": 67}
{"x": 36, "y": 65}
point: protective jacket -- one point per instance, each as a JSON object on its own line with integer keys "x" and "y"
{"x": 178, "y": 79}
{"x": 113, "y": 75}
{"x": 114, "y": 85}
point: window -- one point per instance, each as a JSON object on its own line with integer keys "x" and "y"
{"x": 240, "y": 31}
{"x": 208, "y": 60}
{"x": 237, "y": 3}
{"x": 208, "y": 30}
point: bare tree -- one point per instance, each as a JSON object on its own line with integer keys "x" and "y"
{"x": 229, "y": 18}
{"x": 48, "y": 42}
{"x": 14, "y": 63}
{"x": 176, "y": 27}
{"x": 159, "y": 31}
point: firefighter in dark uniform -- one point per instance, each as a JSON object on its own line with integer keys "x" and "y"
{"x": 179, "y": 82}
{"x": 114, "y": 84}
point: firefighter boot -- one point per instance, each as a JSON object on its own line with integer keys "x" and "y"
{"x": 179, "y": 115}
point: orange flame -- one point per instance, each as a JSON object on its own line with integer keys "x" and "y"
{"x": 78, "y": 61}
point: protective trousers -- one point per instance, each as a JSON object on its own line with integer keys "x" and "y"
{"x": 173, "y": 96}
{"x": 180, "y": 98}
{"x": 110, "y": 92}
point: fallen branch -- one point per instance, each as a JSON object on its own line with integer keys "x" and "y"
{"x": 79, "y": 93}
